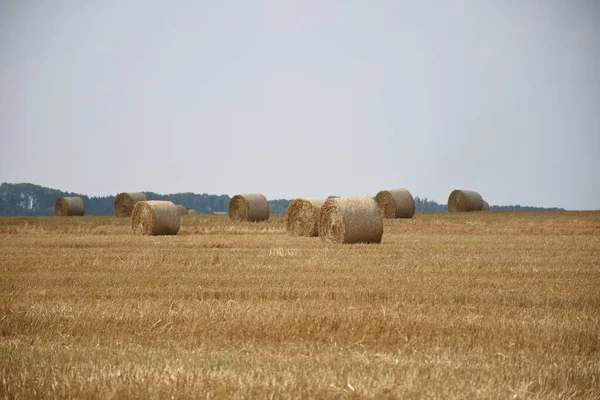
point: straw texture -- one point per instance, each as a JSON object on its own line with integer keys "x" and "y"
{"x": 398, "y": 203}
{"x": 69, "y": 207}
{"x": 302, "y": 217}
{"x": 192, "y": 212}
{"x": 486, "y": 206}
{"x": 183, "y": 210}
{"x": 351, "y": 220}
{"x": 155, "y": 218}
{"x": 464, "y": 200}
{"x": 125, "y": 201}
{"x": 249, "y": 207}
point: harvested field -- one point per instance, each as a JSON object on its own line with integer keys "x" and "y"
{"x": 448, "y": 305}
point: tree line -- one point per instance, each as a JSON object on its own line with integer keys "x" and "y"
{"x": 27, "y": 199}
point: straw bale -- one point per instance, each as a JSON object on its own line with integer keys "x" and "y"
{"x": 183, "y": 210}
{"x": 155, "y": 217}
{"x": 464, "y": 200}
{"x": 249, "y": 207}
{"x": 69, "y": 207}
{"x": 486, "y": 206}
{"x": 351, "y": 220}
{"x": 302, "y": 217}
{"x": 397, "y": 203}
{"x": 124, "y": 203}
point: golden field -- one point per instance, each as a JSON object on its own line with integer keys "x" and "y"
{"x": 470, "y": 305}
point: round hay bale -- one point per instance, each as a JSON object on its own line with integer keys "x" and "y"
{"x": 302, "y": 217}
{"x": 183, "y": 210}
{"x": 397, "y": 203}
{"x": 351, "y": 220}
{"x": 155, "y": 217}
{"x": 69, "y": 207}
{"x": 125, "y": 201}
{"x": 192, "y": 212}
{"x": 249, "y": 207}
{"x": 464, "y": 200}
{"x": 486, "y": 206}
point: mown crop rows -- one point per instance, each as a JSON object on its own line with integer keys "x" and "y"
{"x": 469, "y": 305}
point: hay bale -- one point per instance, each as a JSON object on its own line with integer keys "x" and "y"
{"x": 124, "y": 203}
{"x": 249, "y": 207}
{"x": 464, "y": 200}
{"x": 351, "y": 220}
{"x": 486, "y": 206}
{"x": 397, "y": 203}
{"x": 69, "y": 207}
{"x": 192, "y": 212}
{"x": 302, "y": 217}
{"x": 155, "y": 217}
{"x": 183, "y": 210}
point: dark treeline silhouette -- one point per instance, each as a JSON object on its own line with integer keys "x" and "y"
{"x": 27, "y": 199}
{"x": 524, "y": 208}
{"x": 426, "y": 205}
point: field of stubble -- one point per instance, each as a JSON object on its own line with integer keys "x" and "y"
{"x": 477, "y": 305}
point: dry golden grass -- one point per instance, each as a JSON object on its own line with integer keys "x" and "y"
{"x": 485, "y": 305}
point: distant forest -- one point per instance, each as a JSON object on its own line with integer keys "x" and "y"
{"x": 27, "y": 199}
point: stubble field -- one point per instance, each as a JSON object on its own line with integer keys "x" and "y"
{"x": 474, "y": 305}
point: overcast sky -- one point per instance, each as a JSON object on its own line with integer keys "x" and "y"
{"x": 304, "y": 98}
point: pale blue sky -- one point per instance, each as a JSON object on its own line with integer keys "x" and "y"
{"x": 304, "y": 98}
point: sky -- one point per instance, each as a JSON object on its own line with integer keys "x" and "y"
{"x": 304, "y": 98}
